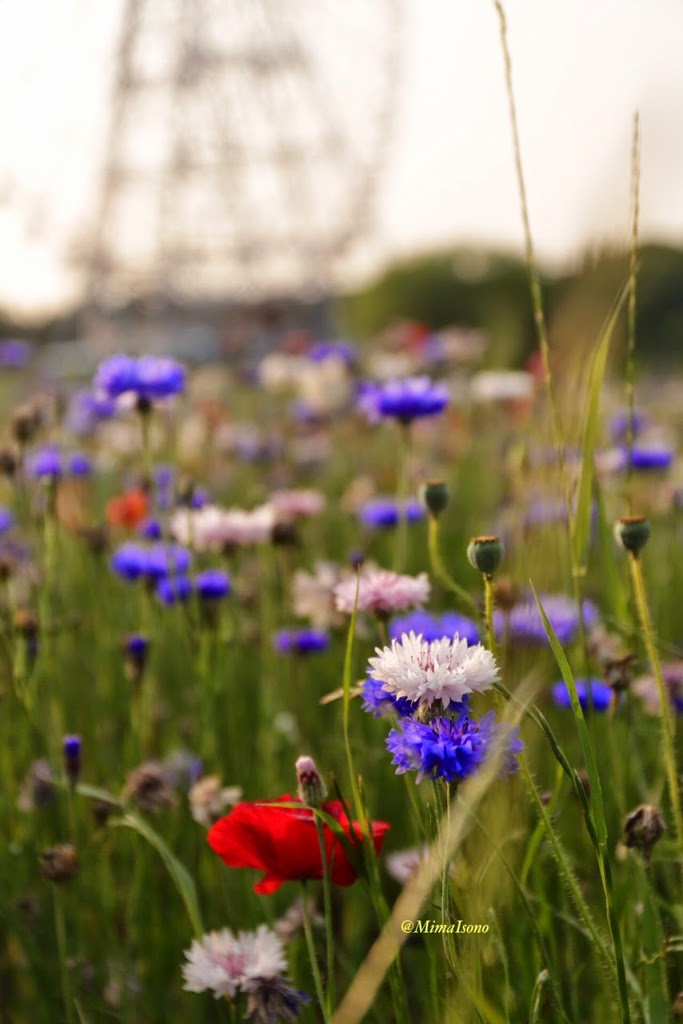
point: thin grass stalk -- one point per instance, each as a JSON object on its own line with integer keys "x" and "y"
{"x": 327, "y": 904}
{"x": 313, "y": 960}
{"x": 631, "y": 328}
{"x": 488, "y": 614}
{"x": 401, "y": 540}
{"x": 668, "y": 726}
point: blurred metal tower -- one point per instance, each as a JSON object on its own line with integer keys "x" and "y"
{"x": 245, "y": 142}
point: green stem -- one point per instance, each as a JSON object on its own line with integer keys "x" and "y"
{"x": 310, "y": 945}
{"x": 633, "y": 265}
{"x": 327, "y": 903}
{"x": 401, "y": 542}
{"x": 488, "y": 613}
{"x": 441, "y": 572}
{"x": 668, "y": 725}
{"x": 61, "y": 952}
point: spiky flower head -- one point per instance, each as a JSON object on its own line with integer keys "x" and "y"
{"x": 444, "y": 670}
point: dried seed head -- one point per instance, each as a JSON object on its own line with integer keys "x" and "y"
{"x": 485, "y": 554}
{"x": 632, "y": 533}
{"x": 147, "y": 787}
{"x": 435, "y": 497}
{"x": 59, "y": 863}
{"x": 643, "y": 828}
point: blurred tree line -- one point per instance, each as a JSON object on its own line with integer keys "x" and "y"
{"x": 491, "y": 291}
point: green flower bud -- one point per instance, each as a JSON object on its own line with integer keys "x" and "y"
{"x": 485, "y": 554}
{"x": 632, "y": 533}
{"x": 435, "y": 497}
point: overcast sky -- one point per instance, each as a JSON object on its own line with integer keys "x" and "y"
{"x": 581, "y": 68}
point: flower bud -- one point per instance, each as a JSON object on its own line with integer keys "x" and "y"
{"x": 311, "y": 787}
{"x": 632, "y": 533}
{"x": 59, "y": 863}
{"x": 643, "y": 828}
{"x": 485, "y": 554}
{"x": 435, "y": 497}
{"x": 71, "y": 748}
{"x": 135, "y": 648}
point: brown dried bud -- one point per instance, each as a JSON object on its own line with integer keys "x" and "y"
{"x": 59, "y": 863}
{"x": 505, "y": 593}
{"x": 643, "y": 828}
{"x": 285, "y": 535}
{"x": 26, "y": 421}
{"x": 147, "y": 787}
{"x": 26, "y": 622}
{"x": 8, "y": 462}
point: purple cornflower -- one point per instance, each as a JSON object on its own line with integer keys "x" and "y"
{"x": 404, "y": 400}
{"x": 649, "y": 458}
{"x": 85, "y": 411}
{"x": 599, "y": 700}
{"x": 386, "y": 513}
{"x": 130, "y": 561}
{"x": 344, "y": 351}
{"x": 173, "y": 589}
{"x": 6, "y": 519}
{"x": 618, "y": 425}
{"x": 148, "y": 377}
{"x": 150, "y": 529}
{"x": 381, "y": 702}
{"x": 15, "y": 353}
{"x": 300, "y": 641}
{"x": 165, "y": 560}
{"x": 212, "y": 584}
{"x": 71, "y": 748}
{"x": 434, "y": 627}
{"x": 526, "y": 626}
{"x": 78, "y": 464}
{"x": 449, "y": 749}
{"x": 45, "y": 462}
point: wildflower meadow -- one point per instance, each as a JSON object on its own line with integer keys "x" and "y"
{"x": 343, "y": 685}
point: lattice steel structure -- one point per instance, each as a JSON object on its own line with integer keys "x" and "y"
{"x": 245, "y": 143}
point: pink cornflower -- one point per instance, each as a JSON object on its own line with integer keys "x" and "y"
{"x": 382, "y": 592}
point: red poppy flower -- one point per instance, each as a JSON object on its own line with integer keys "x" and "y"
{"x": 283, "y": 842}
{"x": 128, "y": 510}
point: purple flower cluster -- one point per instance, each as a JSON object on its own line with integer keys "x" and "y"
{"x": 596, "y": 697}
{"x": 449, "y": 748}
{"x": 300, "y": 641}
{"x": 434, "y": 627}
{"x": 386, "y": 513}
{"x": 524, "y": 625}
{"x": 49, "y": 462}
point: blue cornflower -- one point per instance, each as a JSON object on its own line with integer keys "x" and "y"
{"x": 344, "y": 351}
{"x": 300, "y": 641}
{"x": 79, "y": 464}
{"x": 434, "y": 627}
{"x": 15, "y": 353}
{"x": 649, "y": 458}
{"x": 148, "y": 377}
{"x": 525, "y": 624}
{"x": 387, "y": 512}
{"x": 199, "y": 497}
{"x": 85, "y": 411}
{"x": 71, "y": 749}
{"x": 136, "y": 644}
{"x": 381, "y": 703}
{"x": 212, "y": 584}
{"x": 172, "y": 589}
{"x": 403, "y": 400}
{"x": 600, "y": 695}
{"x": 150, "y": 529}
{"x": 447, "y": 748}
{"x": 130, "y": 561}
{"x": 166, "y": 560}
{"x": 618, "y": 424}
{"x": 6, "y": 519}
{"x": 45, "y": 463}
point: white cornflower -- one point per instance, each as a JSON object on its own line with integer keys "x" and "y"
{"x": 444, "y": 670}
{"x": 382, "y": 592}
{"x": 229, "y": 964}
{"x": 209, "y": 799}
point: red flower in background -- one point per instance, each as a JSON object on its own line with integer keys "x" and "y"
{"x": 283, "y": 842}
{"x": 128, "y": 510}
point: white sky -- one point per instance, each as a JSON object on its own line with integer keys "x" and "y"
{"x": 581, "y": 68}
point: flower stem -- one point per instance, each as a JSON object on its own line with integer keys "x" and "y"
{"x": 60, "y": 931}
{"x": 440, "y": 570}
{"x": 668, "y": 733}
{"x": 327, "y": 902}
{"x": 488, "y": 613}
{"x": 401, "y": 542}
{"x": 315, "y": 970}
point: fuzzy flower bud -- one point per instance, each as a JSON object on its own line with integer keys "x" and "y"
{"x": 485, "y": 554}
{"x": 311, "y": 787}
{"x": 632, "y": 533}
{"x": 59, "y": 863}
{"x": 643, "y": 828}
